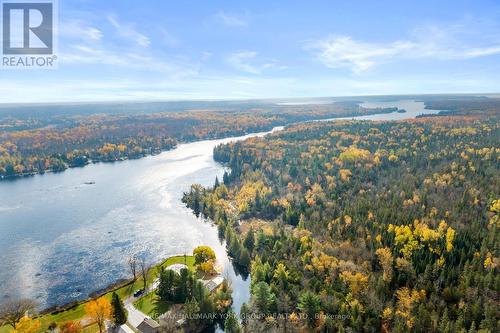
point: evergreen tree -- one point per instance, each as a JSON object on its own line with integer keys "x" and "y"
{"x": 472, "y": 328}
{"x": 192, "y": 310}
{"x": 199, "y": 291}
{"x": 168, "y": 282}
{"x": 260, "y": 240}
{"x": 460, "y": 323}
{"x": 231, "y": 324}
{"x": 119, "y": 313}
{"x": 291, "y": 216}
{"x": 258, "y": 201}
{"x": 444, "y": 322}
{"x": 235, "y": 247}
{"x": 263, "y": 297}
{"x": 182, "y": 288}
{"x": 309, "y": 304}
{"x": 245, "y": 314}
{"x": 249, "y": 241}
{"x": 244, "y": 259}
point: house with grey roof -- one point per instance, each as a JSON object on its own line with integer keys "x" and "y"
{"x": 148, "y": 325}
{"x": 214, "y": 283}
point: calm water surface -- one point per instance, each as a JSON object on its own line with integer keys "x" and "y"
{"x": 61, "y": 239}
{"x": 413, "y": 109}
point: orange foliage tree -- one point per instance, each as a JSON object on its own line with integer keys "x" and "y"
{"x": 99, "y": 310}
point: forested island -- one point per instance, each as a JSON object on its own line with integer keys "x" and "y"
{"x": 38, "y": 142}
{"x": 365, "y": 226}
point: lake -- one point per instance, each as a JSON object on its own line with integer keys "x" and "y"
{"x": 61, "y": 239}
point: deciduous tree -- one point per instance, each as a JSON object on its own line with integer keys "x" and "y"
{"x": 70, "y": 327}
{"x": 11, "y": 311}
{"x": 99, "y": 310}
{"x": 27, "y": 325}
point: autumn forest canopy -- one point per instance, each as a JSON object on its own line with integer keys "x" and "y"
{"x": 35, "y": 140}
{"x": 355, "y": 226}
{"x": 341, "y": 226}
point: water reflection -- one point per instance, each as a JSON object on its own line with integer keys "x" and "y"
{"x": 65, "y": 235}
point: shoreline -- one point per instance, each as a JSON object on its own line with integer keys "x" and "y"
{"x": 75, "y": 311}
{"x": 156, "y": 152}
{"x": 112, "y": 287}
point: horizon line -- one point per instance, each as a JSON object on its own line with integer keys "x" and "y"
{"x": 130, "y": 101}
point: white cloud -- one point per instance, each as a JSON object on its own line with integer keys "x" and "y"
{"x": 343, "y": 51}
{"x": 127, "y": 31}
{"x": 247, "y": 61}
{"x": 240, "y": 60}
{"x": 84, "y": 55}
{"x": 80, "y": 30}
{"x": 86, "y": 46}
{"x": 426, "y": 42}
{"x": 232, "y": 20}
{"x": 480, "y": 52}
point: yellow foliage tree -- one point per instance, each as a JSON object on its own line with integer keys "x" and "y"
{"x": 404, "y": 236}
{"x": 495, "y": 206}
{"x": 207, "y": 267}
{"x": 489, "y": 262}
{"x": 315, "y": 194}
{"x": 248, "y": 193}
{"x": 99, "y": 310}
{"x": 406, "y": 300}
{"x": 345, "y": 175}
{"x": 393, "y": 158}
{"x": 281, "y": 274}
{"x": 354, "y": 154}
{"x": 450, "y": 236}
{"x": 415, "y": 237}
{"x": 27, "y": 325}
{"x": 386, "y": 260}
{"x": 356, "y": 281}
{"x": 204, "y": 257}
{"x": 324, "y": 263}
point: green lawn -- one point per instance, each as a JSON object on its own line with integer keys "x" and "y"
{"x": 75, "y": 313}
{"x": 128, "y": 290}
{"x": 151, "y": 305}
{"x": 78, "y": 312}
{"x": 5, "y": 329}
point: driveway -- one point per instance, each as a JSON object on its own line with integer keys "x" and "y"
{"x": 135, "y": 317}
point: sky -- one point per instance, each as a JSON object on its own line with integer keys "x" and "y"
{"x": 181, "y": 50}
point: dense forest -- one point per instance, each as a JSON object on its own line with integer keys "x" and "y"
{"x": 43, "y": 142}
{"x": 365, "y": 226}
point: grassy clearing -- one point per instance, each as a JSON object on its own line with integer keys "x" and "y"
{"x": 127, "y": 290}
{"x": 91, "y": 329}
{"x": 152, "y": 305}
{"x": 78, "y": 312}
